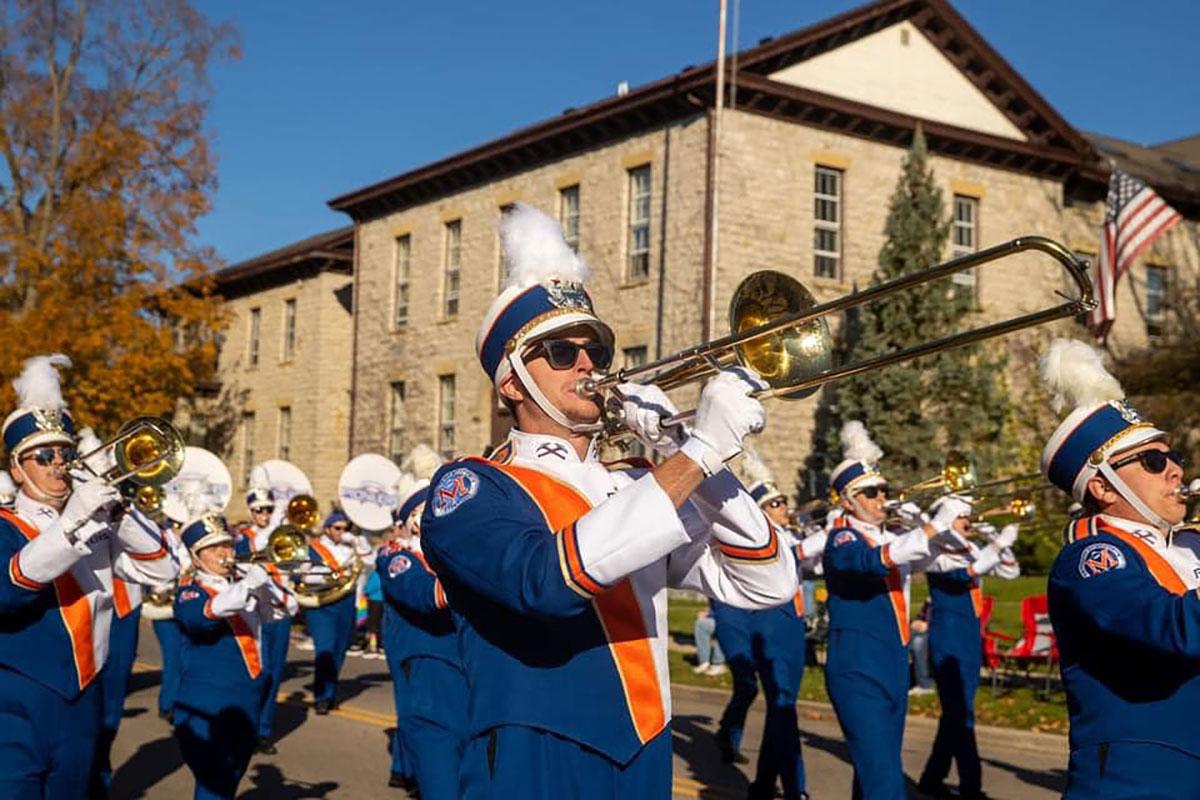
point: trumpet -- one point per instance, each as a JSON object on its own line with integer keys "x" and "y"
{"x": 957, "y": 475}
{"x": 147, "y": 451}
{"x": 781, "y": 332}
{"x": 1019, "y": 508}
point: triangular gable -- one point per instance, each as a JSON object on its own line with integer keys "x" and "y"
{"x": 899, "y": 69}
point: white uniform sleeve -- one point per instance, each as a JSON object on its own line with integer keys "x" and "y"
{"x": 49, "y": 554}
{"x": 140, "y": 554}
{"x": 1009, "y": 567}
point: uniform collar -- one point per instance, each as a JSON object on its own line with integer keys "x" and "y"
{"x": 861, "y": 526}
{"x": 543, "y": 449}
{"x": 1141, "y": 529}
{"x": 217, "y": 582}
{"x": 41, "y": 515}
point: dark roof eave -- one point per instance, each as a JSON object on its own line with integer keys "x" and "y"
{"x": 333, "y": 250}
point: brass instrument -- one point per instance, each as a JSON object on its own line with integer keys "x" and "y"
{"x": 303, "y": 512}
{"x": 288, "y": 547}
{"x": 957, "y": 475}
{"x": 148, "y": 500}
{"x": 1019, "y": 508}
{"x": 779, "y": 331}
{"x": 147, "y": 451}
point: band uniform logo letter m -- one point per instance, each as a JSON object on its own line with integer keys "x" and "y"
{"x": 455, "y": 488}
{"x": 1099, "y": 558}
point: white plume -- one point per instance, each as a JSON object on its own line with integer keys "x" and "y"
{"x": 404, "y": 486}
{"x": 857, "y": 444}
{"x": 259, "y": 478}
{"x": 1074, "y": 373}
{"x": 39, "y": 385}
{"x": 8, "y": 489}
{"x": 422, "y": 461}
{"x": 535, "y": 250}
{"x": 756, "y": 471}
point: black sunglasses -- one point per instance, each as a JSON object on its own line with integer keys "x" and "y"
{"x": 44, "y": 456}
{"x": 1153, "y": 461}
{"x": 263, "y": 510}
{"x": 777, "y": 502}
{"x": 563, "y": 353}
{"x": 871, "y": 492}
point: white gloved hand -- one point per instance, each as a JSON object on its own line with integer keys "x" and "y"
{"x": 231, "y": 599}
{"x": 946, "y": 510}
{"x": 348, "y": 537}
{"x": 87, "y": 501}
{"x": 1007, "y": 537}
{"x": 256, "y": 577}
{"x": 910, "y": 547}
{"x": 812, "y": 546}
{"x": 318, "y": 579}
{"x": 726, "y": 415}
{"x": 985, "y": 529}
{"x": 911, "y": 513}
{"x": 985, "y": 560}
{"x": 645, "y": 407}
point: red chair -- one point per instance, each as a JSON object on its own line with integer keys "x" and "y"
{"x": 1037, "y": 645}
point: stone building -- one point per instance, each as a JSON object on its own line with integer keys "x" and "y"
{"x": 284, "y": 363}
{"x": 811, "y": 140}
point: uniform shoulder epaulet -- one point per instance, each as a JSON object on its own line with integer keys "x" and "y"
{"x": 630, "y": 463}
{"x": 501, "y": 454}
{"x": 1079, "y": 529}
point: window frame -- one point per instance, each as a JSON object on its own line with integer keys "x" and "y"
{"x": 447, "y": 430}
{"x": 821, "y": 225}
{"x": 401, "y": 278}
{"x": 287, "y": 350}
{"x": 249, "y": 442}
{"x": 283, "y": 436}
{"x": 636, "y": 223}
{"x": 397, "y": 399}
{"x": 967, "y": 277}
{"x": 254, "y": 337}
{"x": 568, "y": 219}
{"x": 451, "y": 267}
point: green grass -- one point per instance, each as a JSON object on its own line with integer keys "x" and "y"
{"x": 1018, "y": 707}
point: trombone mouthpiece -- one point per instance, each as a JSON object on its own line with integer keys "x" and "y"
{"x": 586, "y": 386}
{"x": 1190, "y": 490}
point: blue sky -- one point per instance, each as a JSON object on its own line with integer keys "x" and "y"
{"x": 329, "y": 97}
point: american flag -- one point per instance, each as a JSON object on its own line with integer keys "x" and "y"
{"x": 1134, "y": 217}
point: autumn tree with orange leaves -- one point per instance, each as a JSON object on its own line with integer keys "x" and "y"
{"x": 106, "y": 168}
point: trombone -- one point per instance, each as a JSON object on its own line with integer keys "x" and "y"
{"x": 957, "y": 475}
{"x": 147, "y": 451}
{"x": 781, "y": 332}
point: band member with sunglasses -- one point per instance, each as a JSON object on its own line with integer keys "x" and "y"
{"x": 221, "y": 615}
{"x": 557, "y": 567}
{"x": 867, "y": 569}
{"x": 1122, "y": 600}
{"x": 406, "y": 521}
{"x": 767, "y": 645}
{"x": 332, "y": 625}
{"x": 61, "y": 552}
{"x": 954, "y": 574}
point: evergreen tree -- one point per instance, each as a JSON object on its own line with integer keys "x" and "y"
{"x": 919, "y": 410}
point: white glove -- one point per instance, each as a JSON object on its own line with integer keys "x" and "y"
{"x": 87, "y": 501}
{"x": 256, "y": 577}
{"x": 1007, "y": 537}
{"x": 911, "y": 513}
{"x": 315, "y": 579}
{"x": 726, "y": 415}
{"x": 348, "y": 537}
{"x": 912, "y": 546}
{"x": 946, "y": 510}
{"x": 231, "y": 599}
{"x": 985, "y": 560}
{"x": 645, "y": 406}
{"x": 985, "y": 529}
{"x": 812, "y": 546}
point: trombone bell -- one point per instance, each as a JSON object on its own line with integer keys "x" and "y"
{"x": 789, "y": 356}
{"x": 147, "y": 451}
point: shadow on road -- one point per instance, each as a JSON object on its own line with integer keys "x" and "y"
{"x": 152, "y": 762}
{"x": 1055, "y": 780}
{"x": 269, "y": 783}
{"x": 696, "y": 745}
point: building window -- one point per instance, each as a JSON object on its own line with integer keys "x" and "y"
{"x": 502, "y": 265}
{"x": 634, "y": 357}
{"x": 285, "y": 432}
{"x": 1156, "y": 299}
{"x": 452, "y": 262}
{"x": 827, "y": 223}
{"x": 396, "y": 422}
{"x": 639, "y": 224}
{"x": 402, "y": 266}
{"x": 289, "y": 329}
{"x": 568, "y": 214}
{"x": 965, "y": 236}
{"x": 255, "y": 328}
{"x": 446, "y": 416}
{"x": 247, "y": 446}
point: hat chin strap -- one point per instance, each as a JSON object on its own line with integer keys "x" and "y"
{"x": 30, "y": 487}
{"x": 543, "y": 402}
{"x": 1133, "y": 500}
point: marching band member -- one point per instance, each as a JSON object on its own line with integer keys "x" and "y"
{"x": 1121, "y": 599}
{"x": 222, "y": 658}
{"x": 56, "y": 597}
{"x": 394, "y": 629}
{"x": 435, "y": 688}
{"x": 954, "y": 574}
{"x": 332, "y": 625}
{"x": 867, "y": 571}
{"x": 766, "y": 645}
{"x": 558, "y": 567}
{"x": 166, "y": 630}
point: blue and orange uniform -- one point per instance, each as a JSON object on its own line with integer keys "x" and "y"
{"x": 557, "y": 570}
{"x": 331, "y": 625}
{"x": 435, "y": 718}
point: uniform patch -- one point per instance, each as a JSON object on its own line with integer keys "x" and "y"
{"x": 1100, "y": 557}
{"x": 188, "y": 594}
{"x": 398, "y": 566}
{"x": 455, "y": 488}
{"x": 843, "y": 537}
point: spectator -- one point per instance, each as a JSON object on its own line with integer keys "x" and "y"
{"x": 709, "y": 658}
{"x": 918, "y": 648}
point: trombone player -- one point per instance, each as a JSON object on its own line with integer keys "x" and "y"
{"x": 1121, "y": 597}
{"x": 557, "y": 567}
{"x": 62, "y": 553}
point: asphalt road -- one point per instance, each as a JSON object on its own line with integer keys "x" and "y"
{"x": 345, "y": 754}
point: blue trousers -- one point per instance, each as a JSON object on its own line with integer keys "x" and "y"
{"x": 1128, "y": 770}
{"x": 331, "y": 627}
{"x": 518, "y": 762}
{"x": 169, "y": 638}
{"x": 401, "y": 762}
{"x": 217, "y": 728}
{"x": 867, "y": 680}
{"x": 766, "y": 646}
{"x": 47, "y": 743}
{"x": 275, "y": 638}
{"x": 956, "y": 650}
{"x": 114, "y": 683}
{"x": 434, "y": 727}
